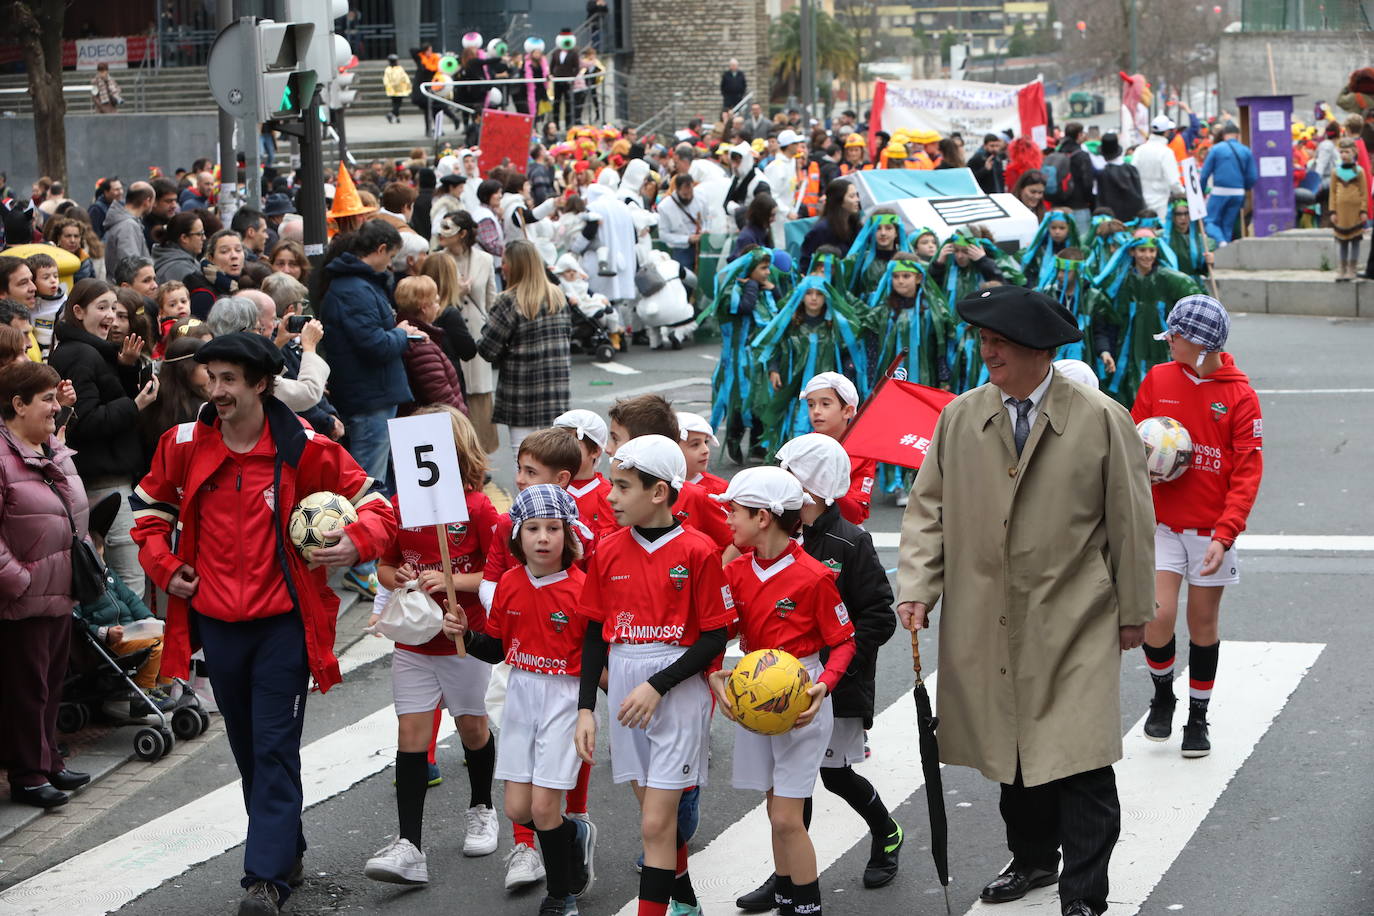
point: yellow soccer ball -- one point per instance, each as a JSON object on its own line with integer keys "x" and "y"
{"x": 767, "y": 691}
{"x": 316, "y": 514}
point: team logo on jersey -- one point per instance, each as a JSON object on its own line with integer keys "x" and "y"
{"x": 624, "y": 620}
{"x": 842, "y": 614}
{"x": 1218, "y": 410}
{"x": 867, "y": 487}
{"x": 559, "y": 621}
{"x": 833, "y": 565}
{"x": 678, "y": 576}
{"x": 1257, "y": 429}
{"x": 784, "y": 606}
{"x": 271, "y": 499}
{"x": 457, "y": 531}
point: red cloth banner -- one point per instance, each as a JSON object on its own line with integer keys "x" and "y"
{"x": 505, "y": 139}
{"x": 1030, "y": 105}
{"x": 897, "y": 423}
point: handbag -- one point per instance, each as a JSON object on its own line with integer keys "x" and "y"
{"x": 88, "y": 573}
{"x": 410, "y": 617}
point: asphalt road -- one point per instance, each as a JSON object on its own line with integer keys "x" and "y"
{"x": 1290, "y": 833}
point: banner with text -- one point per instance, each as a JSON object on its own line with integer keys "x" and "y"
{"x": 946, "y": 106}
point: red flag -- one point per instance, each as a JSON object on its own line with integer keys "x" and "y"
{"x": 896, "y": 424}
{"x": 875, "y": 118}
{"x": 505, "y": 139}
{"x": 1030, "y": 105}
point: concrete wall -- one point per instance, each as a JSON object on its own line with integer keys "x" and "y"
{"x": 118, "y": 144}
{"x": 1309, "y": 65}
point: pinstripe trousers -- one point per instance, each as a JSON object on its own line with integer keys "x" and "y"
{"x": 1079, "y": 814}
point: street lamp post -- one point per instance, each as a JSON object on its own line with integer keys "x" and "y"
{"x": 807, "y": 39}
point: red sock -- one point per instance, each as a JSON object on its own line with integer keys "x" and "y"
{"x": 652, "y": 908}
{"x": 434, "y": 735}
{"x": 681, "y": 860}
{"x": 524, "y": 836}
{"x": 577, "y": 798}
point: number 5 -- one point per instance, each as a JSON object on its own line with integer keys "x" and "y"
{"x": 422, "y": 465}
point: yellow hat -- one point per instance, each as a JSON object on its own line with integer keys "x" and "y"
{"x": 759, "y": 145}
{"x": 346, "y": 199}
{"x": 855, "y": 140}
{"x": 895, "y": 150}
{"x": 924, "y": 136}
{"x": 901, "y": 135}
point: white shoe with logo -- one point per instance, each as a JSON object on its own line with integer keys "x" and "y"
{"x": 524, "y": 866}
{"x": 399, "y": 862}
{"x": 482, "y": 831}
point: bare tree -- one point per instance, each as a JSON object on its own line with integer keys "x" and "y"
{"x": 37, "y": 25}
{"x": 1175, "y": 39}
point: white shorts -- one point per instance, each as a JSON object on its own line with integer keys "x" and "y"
{"x": 1182, "y": 553}
{"x": 536, "y": 743}
{"x": 422, "y": 683}
{"x": 786, "y": 763}
{"x": 672, "y": 752}
{"x": 846, "y": 743}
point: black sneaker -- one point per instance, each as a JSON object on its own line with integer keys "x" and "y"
{"x": 260, "y": 899}
{"x": 761, "y": 899}
{"x": 583, "y": 848}
{"x": 551, "y": 906}
{"x": 1195, "y": 742}
{"x": 1159, "y": 724}
{"x": 882, "y": 859}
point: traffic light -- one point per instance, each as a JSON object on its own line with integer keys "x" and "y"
{"x": 286, "y": 82}
{"x": 328, "y": 51}
{"x": 340, "y": 92}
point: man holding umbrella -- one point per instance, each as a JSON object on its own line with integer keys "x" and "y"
{"x": 1031, "y": 516}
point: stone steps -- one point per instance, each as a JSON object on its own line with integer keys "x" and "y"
{"x": 1296, "y": 249}
{"x": 1295, "y": 292}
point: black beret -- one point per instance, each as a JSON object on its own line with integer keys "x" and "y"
{"x": 277, "y": 205}
{"x": 1021, "y": 315}
{"x": 103, "y": 514}
{"x": 453, "y": 180}
{"x": 243, "y": 348}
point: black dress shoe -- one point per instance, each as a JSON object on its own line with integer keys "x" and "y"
{"x": 760, "y": 899}
{"x": 44, "y": 796}
{"x": 882, "y": 859}
{"x": 1015, "y": 882}
{"x": 1079, "y": 908}
{"x": 297, "y": 876}
{"x": 69, "y": 780}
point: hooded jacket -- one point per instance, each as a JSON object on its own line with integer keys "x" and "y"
{"x": 123, "y": 236}
{"x": 172, "y": 262}
{"x": 745, "y": 179}
{"x": 361, "y": 336}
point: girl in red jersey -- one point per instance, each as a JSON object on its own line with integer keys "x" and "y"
{"x": 534, "y": 627}
{"x": 426, "y": 677}
{"x": 1199, "y": 514}
{"x": 786, "y": 599}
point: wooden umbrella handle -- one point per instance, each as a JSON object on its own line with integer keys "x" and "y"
{"x": 916, "y": 653}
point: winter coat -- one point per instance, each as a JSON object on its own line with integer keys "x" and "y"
{"x": 172, "y": 262}
{"x": 480, "y": 270}
{"x": 35, "y": 536}
{"x": 207, "y": 284}
{"x": 396, "y": 82}
{"x": 123, "y": 236}
{"x": 116, "y": 607}
{"x": 104, "y": 426}
{"x": 1349, "y": 202}
{"x": 97, "y": 212}
{"x": 362, "y": 339}
{"x": 432, "y": 377}
{"x": 1118, "y": 187}
{"x": 1159, "y": 176}
{"x": 1040, "y": 561}
{"x": 534, "y": 361}
{"x": 1081, "y": 168}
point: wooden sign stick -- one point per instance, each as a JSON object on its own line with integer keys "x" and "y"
{"x": 453, "y": 604}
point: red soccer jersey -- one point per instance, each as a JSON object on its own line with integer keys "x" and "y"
{"x": 792, "y": 604}
{"x": 500, "y": 559}
{"x": 713, "y": 485}
{"x": 697, "y": 510}
{"x": 854, "y": 504}
{"x": 537, "y": 620}
{"x": 592, "y": 506}
{"x": 1222, "y": 416}
{"x": 468, "y": 546}
{"x": 667, "y": 591}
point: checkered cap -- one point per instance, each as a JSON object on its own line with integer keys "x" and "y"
{"x": 543, "y": 500}
{"x": 1201, "y": 320}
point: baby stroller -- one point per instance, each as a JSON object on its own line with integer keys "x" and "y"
{"x": 596, "y": 327}
{"x": 95, "y": 676}
{"x": 589, "y": 333}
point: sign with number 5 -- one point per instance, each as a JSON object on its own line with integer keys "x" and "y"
{"x": 1192, "y": 184}
{"x": 425, "y": 461}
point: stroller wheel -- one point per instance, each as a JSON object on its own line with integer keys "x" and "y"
{"x": 72, "y": 717}
{"x": 169, "y": 740}
{"x": 605, "y": 353}
{"x": 185, "y": 723}
{"x": 148, "y": 744}
{"x": 204, "y": 718}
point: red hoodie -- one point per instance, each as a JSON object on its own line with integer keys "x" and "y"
{"x": 1222, "y": 415}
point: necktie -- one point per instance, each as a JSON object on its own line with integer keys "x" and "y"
{"x": 1021, "y": 432}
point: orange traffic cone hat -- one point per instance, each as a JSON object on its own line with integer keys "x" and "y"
{"x": 346, "y": 200}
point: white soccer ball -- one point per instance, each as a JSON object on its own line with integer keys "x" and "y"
{"x": 1168, "y": 448}
{"x": 313, "y": 516}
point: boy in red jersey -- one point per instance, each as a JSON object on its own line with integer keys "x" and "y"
{"x": 656, "y": 595}
{"x": 831, "y": 401}
{"x": 535, "y": 628}
{"x": 588, "y": 487}
{"x": 697, "y": 439}
{"x": 651, "y": 415}
{"x": 786, "y": 599}
{"x": 1199, "y": 514}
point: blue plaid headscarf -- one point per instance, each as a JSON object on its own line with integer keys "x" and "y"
{"x": 1201, "y": 320}
{"x": 543, "y": 500}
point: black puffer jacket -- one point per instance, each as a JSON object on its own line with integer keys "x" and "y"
{"x": 104, "y": 426}
{"x": 863, "y": 586}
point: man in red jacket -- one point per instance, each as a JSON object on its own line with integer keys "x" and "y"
{"x": 210, "y": 522}
{"x": 1199, "y": 514}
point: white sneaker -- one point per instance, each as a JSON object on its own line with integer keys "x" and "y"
{"x": 524, "y": 866}
{"x": 902, "y": 498}
{"x": 482, "y": 831}
{"x": 399, "y": 862}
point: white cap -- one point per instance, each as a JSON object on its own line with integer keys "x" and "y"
{"x": 657, "y": 456}
{"x": 587, "y": 424}
{"x": 1075, "y": 370}
{"x": 689, "y": 423}
{"x": 1161, "y": 123}
{"x": 764, "y": 488}
{"x": 788, "y": 137}
{"x": 568, "y": 261}
{"x": 819, "y": 462}
{"x": 843, "y": 387}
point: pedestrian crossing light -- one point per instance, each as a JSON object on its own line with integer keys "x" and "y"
{"x": 286, "y": 82}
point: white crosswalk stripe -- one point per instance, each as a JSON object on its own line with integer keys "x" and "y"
{"x": 1259, "y": 543}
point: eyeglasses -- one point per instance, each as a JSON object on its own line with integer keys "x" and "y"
{"x": 201, "y": 233}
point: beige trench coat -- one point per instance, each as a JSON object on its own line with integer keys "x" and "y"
{"x": 1040, "y": 562}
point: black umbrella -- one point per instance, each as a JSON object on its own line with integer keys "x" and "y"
{"x": 926, "y": 725}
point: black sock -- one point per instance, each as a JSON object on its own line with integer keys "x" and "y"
{"x": 860, "y": 795}
{"x": 806, "y": 899}
{"x": 656, "y": 884}
{"x": 783, "y": 895}
{"x": 806, "y": 813}
{"x": 1202, "y": 673}
{"x": 1160, "y": 660}
{"x": 412, "y": 782}
{"x": 556, "y": 846}
{"x": 683, "y": 892}
{"x": 481, "y": 764}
